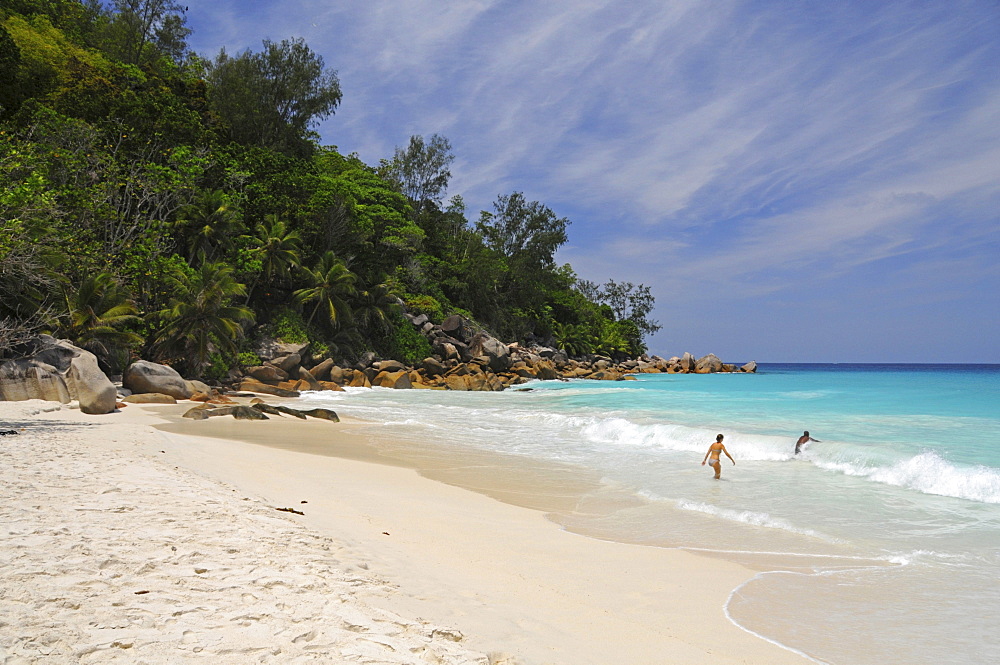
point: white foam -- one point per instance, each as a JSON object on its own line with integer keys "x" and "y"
{"x": 931, "y": 474}
{"x": 750, "y": 517}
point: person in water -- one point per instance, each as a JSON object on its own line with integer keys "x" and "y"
{"x": 804, "y": 439}
{"x": 714, "y": 454}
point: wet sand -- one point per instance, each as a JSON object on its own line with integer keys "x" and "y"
{"x": 466, "y": 576}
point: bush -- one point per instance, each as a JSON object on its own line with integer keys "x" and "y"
{"x": 248, "y": 359}
{"x": 404, "y": 343}
{"x": 218, "y": 367}
{"x": 424, "y": 304}
{"x": 289, "y": 326}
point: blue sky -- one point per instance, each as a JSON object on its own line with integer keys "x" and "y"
{"x": 796, "y": 181}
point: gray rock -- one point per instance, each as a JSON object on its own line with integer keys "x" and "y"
{"x": 254, "y": 386}
{"x": 149, "y": 398}
{"x": 323, "y": 414}
{"x": 269, "y": 349}
{"x": 267, "y": 373}
{"x": 149, "y": 377}
{"x": 240, "y": 412}
{"x": 199, "y": 387}
{"x": 58, "y": 372}
{"x": 433, "y": 367}
{"x": 489, "y": 346}
{"x": 687, "y": 362}
{"x": 288, "y": 363}
{"x": 709, "y": 364}
{"x": 321, "y": 372}
{"x": 306, "y": 375}
{"x": 278, "y": 410}
{"x": 456, "y": 326}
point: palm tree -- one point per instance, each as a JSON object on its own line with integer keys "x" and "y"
{"x": 95, "y": 313}
{"x": 574, "y": 339}
{"x": 374, "y": 305}
{"x": 208, "y": 225}
{"x": 276, "y": 249}
{"x": 200, "y": 318}
{"x": 329, "y": 283}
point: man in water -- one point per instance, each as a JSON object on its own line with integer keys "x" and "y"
{"x": 715, "y": 451}
{"x": 805, "y": 438}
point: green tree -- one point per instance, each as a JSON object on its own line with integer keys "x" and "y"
{"x": 30, "y": 215}
{"x": 140, "y": 31}
{"x": 631, "y": 303}
{"x": 200, "y": 318}
{"x": 574, "y": 339}
{"x": 276, "y": 248}
{"x": 273, "y": 98}
{"x": 207, "y": 226}
{"x": 96, "y": 312}
{"x": 526, "y": 233}
{"x": 374, "y": 306}
{"x": 330, "y": 283}
{"x": 421, "y": 171}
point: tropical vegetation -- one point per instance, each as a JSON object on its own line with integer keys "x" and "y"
{"x": 159, "y": 203}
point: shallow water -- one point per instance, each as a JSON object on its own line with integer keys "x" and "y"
{"x": 873, "y": 544}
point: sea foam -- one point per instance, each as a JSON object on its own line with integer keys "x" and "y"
{"x": 929, "y": 473}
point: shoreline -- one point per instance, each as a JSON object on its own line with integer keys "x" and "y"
{"x": 504, "y": 576}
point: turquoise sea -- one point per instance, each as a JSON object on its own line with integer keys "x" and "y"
{"x": 878, "y": 544}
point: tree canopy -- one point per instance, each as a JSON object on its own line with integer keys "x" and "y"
{"x": 159, "y": 202}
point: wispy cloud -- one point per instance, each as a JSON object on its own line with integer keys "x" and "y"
{"x": 733, "y": 149}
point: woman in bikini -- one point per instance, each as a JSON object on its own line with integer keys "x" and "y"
{"x": 715, "y": 451}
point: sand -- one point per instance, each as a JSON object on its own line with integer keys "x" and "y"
{"x": 126, "y": 544}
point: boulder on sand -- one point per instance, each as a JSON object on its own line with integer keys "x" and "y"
{"x": 58, "y": 371}
{"x": 144, "y": 376}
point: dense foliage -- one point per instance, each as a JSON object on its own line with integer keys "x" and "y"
{"x": 159, "y": 203}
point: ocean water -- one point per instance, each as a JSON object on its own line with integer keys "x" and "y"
{"x": 878, "y": 544}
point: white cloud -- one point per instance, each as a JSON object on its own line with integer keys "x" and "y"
{"x": 731, "y": 148}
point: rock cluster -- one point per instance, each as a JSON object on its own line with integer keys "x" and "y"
{"x": 57, "y": 371}
{"x": 463, "y": 358}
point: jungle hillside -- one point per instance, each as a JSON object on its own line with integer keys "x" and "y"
{"x": 176, "y": 206}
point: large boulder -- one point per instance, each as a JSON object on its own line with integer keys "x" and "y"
{"x": 497, "y": 352}
{"x": 288, "y": 363}
{"x": 254, "y": 386}
{"x": 456, "y": 326}
{"x": 58, "y": 371}
{"x": 306, "y": 376}
{"x": 267, "y": 373}
{"x": 389, "y": 366}
{"x": 446, "y": 350}
{"x": 321, "y": 371}
{"x": 687, "y": 362}
{"x": 399, "y": 380}
{"x": 269, "y": 349}
{"x": 750, "y": 367}
{"x": 360, "y": 380}
{"x": 708, "y": 364}
{"x": 144, "y": 376}
{"x": 197, "y": 386}
{"x": 432, "y": 367}
{"x": 149, "y": 398}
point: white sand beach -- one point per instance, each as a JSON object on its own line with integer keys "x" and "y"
{"x": 125, "y": 544}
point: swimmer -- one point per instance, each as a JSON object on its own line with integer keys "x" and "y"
{"x": 804, "y": 439}
{"x": 714, "y": 450}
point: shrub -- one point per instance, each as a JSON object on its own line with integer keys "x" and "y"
{"x": 289, "y": 326}
{"x": 248, "y": 359}
{"x": 404, "y": 343}
{"x": 218, "y": 367}
{"x": 424, "y": 304}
